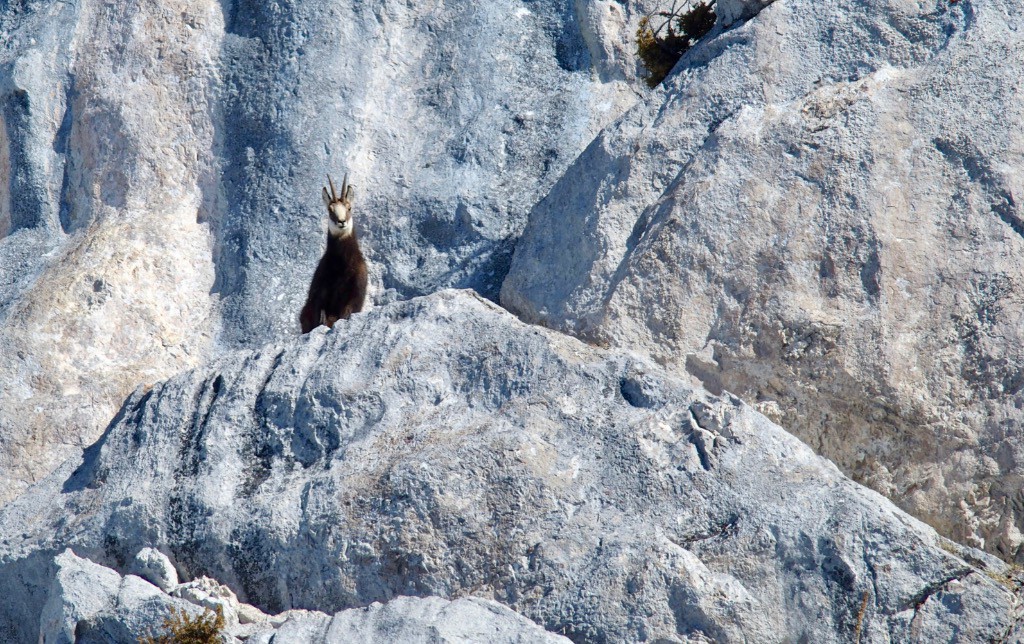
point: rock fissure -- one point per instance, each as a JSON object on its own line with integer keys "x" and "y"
{"x": 973, "y": 163}
{"x": 916, "y": 602}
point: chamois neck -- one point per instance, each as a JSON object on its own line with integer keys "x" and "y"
{"x": 342, "y": 244}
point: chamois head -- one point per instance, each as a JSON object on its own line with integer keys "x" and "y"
{"x": 339, "y": 209}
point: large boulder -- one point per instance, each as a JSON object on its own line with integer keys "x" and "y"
{"x": 820, "y": 216}
{"x": 161, "y": 164}
{"x": 442, "y": 447}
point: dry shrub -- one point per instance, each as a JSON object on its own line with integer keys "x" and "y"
{"x": 180, "y": 628}
{"x": 664, "y": 36}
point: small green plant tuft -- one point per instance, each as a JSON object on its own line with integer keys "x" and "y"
{"x": 678, "y": 29}
{"x": 182, "y": 629}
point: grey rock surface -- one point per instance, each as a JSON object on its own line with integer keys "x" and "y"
{"x": 442, "y": 447}
{"x": 820, "y": 215}
{"x": 91, "y": 604}
{"x": 161, "y": 165}
{"x": 729, "y": 12}
{"x": 209, "y": 593}
{"x": 432, "y": 619}
{"x": 137, "y": 612}
{"x": 107, "y": 270}
{"x": 154, "y": 566}
{"x": 412, "y": 620}
{"x": 817, "y": 212}
{"x": 80, "y": 590}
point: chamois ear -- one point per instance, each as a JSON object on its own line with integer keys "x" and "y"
{"x": 348, "y": 194}
{"x": 327, "y": 198}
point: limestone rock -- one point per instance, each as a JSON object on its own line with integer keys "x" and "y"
{"x": 154, "y": 566}
{"x": 161, "y": 164}
{"x": 208, "y": 593}
{"x": 89, "y": 603}
{"x": 730, "y": 12}
{"x": 139, "y": 610}
{"x": 81, "y": 589}
{"x": 441, "y": 447}
{"x": 412, "y": 620}
{"x": 820, "y": 214}
{"x": 106, "y": 120}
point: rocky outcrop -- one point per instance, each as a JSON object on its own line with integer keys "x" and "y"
{"x": 161, "y": 163}
{"x": 91, "y": 604}
{"x": 411, "y": 620}
{"x": 106, "y": 112}
{"x": 88, "y": 603}
{"x": 441, "y": 447}
{"x": 819, "y": 215}
{"x": 816, "y": 212}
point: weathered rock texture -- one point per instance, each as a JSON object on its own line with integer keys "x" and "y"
{"x": 161, "y": 163}
{"x": 88, "y": 603}
{"x": 821, "y": 215}
{"x": 154, "y": 566}
{"x": 411, "y": 620}
{"x": 442, "y": 447}
{"x": 91, "y": 604}
{"x": 109, "y": 132}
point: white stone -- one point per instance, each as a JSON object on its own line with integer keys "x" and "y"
{"x": 88, "y": 603}
{"x": 208, "y": 593}
{"x": 81, "y": 589}
{"x": 154, "y": 566}
{"x": 732, "y": 11}
{"x": 412, "y": 620}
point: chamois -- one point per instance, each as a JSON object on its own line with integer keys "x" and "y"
{"x": 338, "y": 288}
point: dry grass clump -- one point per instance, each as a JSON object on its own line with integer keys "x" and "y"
{"x": 664, "y": 36}
{"x": 180, "y": 628}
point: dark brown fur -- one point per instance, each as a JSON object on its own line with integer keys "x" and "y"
{"x": 338, "y": 288}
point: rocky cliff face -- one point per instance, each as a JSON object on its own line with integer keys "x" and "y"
{"x": 442, "y": 447}
{"x": 161, "y": 164}
{"x": 816, "y": 213}
{"x": 819, "y": 214}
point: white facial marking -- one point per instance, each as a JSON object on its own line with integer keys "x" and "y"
{"x": 339, "y": 220}
{"x": 339, "y": 211}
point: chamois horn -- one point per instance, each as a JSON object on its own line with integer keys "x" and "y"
{"x": 331, "y": 183}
